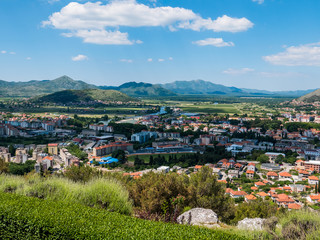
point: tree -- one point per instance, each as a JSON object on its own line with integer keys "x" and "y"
{"x": 263, "y": 158}
{"x": 12, "y": 150}
{"x": 206, "y": 192}
{"x": 81, "y": 174}
{"x": 4, "y": 166}
{"x": 120, "y": 155}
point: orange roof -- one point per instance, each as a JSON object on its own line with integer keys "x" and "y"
{"x": 47, "y": 157}
{"x": 251, "y": 164}
{"x": 254, "y": 188}
{"x": 273, "y": 174}
{"x": 239, "y": 193}
{"x": 229, "y": 190}
{"x": 315, "y": 197}
{"x": 285, "y": 174}
{"x": 198, "y": 166}
{"x": 304, "y": 172}
{"x": 262, "y": 194}
{"x": 313, "y": 178}
{"x": 250, "y": 197}
{"x": 286, "y": 188}
{"x": 294, "y": 206}
{"x": 250, "y": 171}
{"x": 222, "y": 181}
{"x": 52, "y": 144}
{"x": 259, "y": 183}
{"x": 299, "y": 161}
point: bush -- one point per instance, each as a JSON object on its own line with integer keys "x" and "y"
{"x": 31, "y": 218}
{"x": 101, "y": 193}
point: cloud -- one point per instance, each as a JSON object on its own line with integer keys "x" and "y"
{"x": 149, "y": 59}
{"x": 103, "y": 20}
{"x": 101, "y": 37}
{"x": 258, "y": 1}
{"x": 79, "y": 57}
{"x": 240, "y": 71}
{"x": 170, "y": 58}
{"x": 3, "y": 52}
{"x": 28, "y": 58}
{"x": 12, "y": 53}
{"x": 126, "y": 60}
{"x": 161, "y": 60}
{"x": 303, "y": 55}
{"x": 217, "y": 42}
{"x": 221, "y": 24}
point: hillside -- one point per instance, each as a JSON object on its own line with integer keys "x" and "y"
{"x": 24, "y": 218}
{"x": 199, "y": 87}
{"x": 142, "y": 89}
{"x": 34, "y": 88}
{"x": 311, "y": 97}
{"x": 87, "y": 95}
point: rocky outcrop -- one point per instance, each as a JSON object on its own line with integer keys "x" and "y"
{"x": 200, "y": 217}
{"x": 251, "y": 224}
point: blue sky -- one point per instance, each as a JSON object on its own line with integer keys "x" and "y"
{"x": 270, "y": 44}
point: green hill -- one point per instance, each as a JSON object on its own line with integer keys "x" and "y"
{"x": 142, "y": 89}
{"x": 311, "y": 97}
{"x": 31, "y": 218}
{"x": 35, "y": 88}
{"x": 87, "y": 95}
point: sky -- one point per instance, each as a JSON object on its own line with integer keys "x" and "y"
{"x": 259, "y": 44}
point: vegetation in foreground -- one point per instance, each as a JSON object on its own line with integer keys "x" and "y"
{"x": 48, "y": 219}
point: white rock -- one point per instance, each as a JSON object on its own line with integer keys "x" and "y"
{"x": 199, "y": 217}
{"x": 251, "y": 224}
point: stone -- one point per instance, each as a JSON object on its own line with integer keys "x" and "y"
{"x": 251, "y": 224}
{"x": 199, "y": 217}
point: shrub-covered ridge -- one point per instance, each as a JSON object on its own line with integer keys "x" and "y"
{"x": 31, "y": 218}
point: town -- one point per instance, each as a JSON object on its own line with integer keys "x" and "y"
{"x": 270, "y": 157}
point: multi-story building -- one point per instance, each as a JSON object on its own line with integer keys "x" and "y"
{"x": 111, "y": 147}
{"x": 53, "y": 148}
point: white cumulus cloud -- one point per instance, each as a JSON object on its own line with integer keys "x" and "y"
{"x": 217, "y": 42}
{"x": 240, "y": 71}
{"x": 126, "y": 60}
{"x": 303, "y": 55}
{"x": 149, "y": 59}
{"x": 3, "y": 52}
{"x": 79, "y": 57}
{"x": 96, "y": 22}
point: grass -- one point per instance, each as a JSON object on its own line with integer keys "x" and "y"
{"x": 208, "y": 108}
{"x": 30, "y": 218}
{"x": 100, "y": 193}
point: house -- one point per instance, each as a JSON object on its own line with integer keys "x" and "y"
{"x": 238, "y": 194}
{"x": 300, "y": 164}
{"x": 270, "y": 167}
{"x": 273, "y": 156}
{"x": 251, "y": 167}
{"x": 163, "y": 169}
{"x": 254, "y": 188}
{"x": 262, "y": 194}
{"x": 297, "y": 188}
{"x": 313, "y": 198}
{"x": 312, "y": 165}
{"x": 259, "y": 184}
{"x": 233, "y": 173}
{"x": 197, "y": 167}
{"x": 53, "y": 148}
{"x": 272, "y": 176}
{"x": 285, "y": 176}
{"x": 294, "y": 206}
{"x": 249, "y": 198}
{"x": 250, "y": 174}
{"x": 313, "y": 180}
{"x": 284, "y": 200}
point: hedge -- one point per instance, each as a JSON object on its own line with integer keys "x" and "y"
{"x": 24, "y": 217}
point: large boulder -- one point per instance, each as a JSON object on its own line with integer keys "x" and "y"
{"x": 251, "y": 224}
{"x": 199, "y": 217}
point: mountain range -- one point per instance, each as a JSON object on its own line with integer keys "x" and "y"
{"x": 134, "y": 89}
{"x": 311, "y": 97}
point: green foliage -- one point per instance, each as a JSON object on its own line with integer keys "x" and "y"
{"x": 202, "y": 189}
{"x": 81, "y": 174}
{"x": 76, "y": 151}
{"x": 4, "y": 166}
{"x": 103, "y": 193}
{"x": 263, "y": 158}
{"x": 48, "y": 219}
{"x": 21, "y": 168}
{"x": 253, "y": 209}
{"x": 297, "y": 126}
{"x": 87, "y": 95}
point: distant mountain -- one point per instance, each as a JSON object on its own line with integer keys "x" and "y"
{"x": 311, "y": 97}
{"x": 200, "y": 87}
{"x": 142, "y": 89}
{"x": 34, "y": 88}
{"x": 86, "y": 95}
